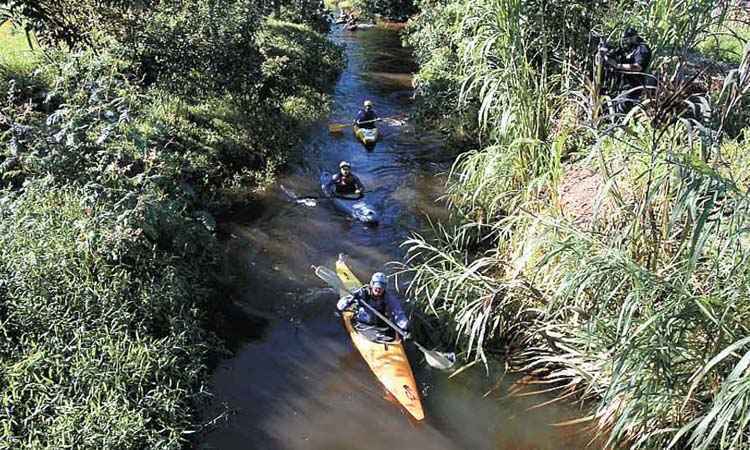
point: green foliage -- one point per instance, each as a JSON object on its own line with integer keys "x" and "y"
{"x": 389, "y": 9}
{"x": 110, "y": 173}
{"x": 313, "y": 13}
{"x": 626, "y": 286}
{"x": 94, "y": 23}
{"x": 728, "y": 43}
{"x": 199, "y": 48}
{"x": 436, "y": 35}
{"x": 102, "y": 328}
{"x": 18, "y": 60}
{"x": 74, "y": 22}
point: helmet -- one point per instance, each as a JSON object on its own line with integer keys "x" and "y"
{"x": 343, "y": 164}
{"x": 629, "y": 32}
{"x": 368, "y": 103}
{"x": 379, "y": 280}
{"x": 629, "y": 36}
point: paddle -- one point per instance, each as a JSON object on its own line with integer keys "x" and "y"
{"x": 340, "y": 127}
{"x": 309, "y": 201}
{"x": 438, "y": 360}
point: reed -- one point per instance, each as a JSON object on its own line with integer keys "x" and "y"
{"x": 637, "y": 303}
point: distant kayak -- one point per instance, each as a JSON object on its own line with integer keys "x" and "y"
{"x": 367, "y": 136}
{"x": 354, "y": 206}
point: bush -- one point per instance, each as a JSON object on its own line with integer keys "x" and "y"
{"x": 101, "y": 313}
{"x": 109, "y": 180}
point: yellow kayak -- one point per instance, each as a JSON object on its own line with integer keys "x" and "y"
{"x": 387, "y": 360}
{"x": 367, "y": 136}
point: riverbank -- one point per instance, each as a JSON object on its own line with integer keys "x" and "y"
{"x": 117, "y": 161}
{"x": 603, "y": 253}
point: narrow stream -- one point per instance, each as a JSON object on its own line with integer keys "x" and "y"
{"x": 301, "y": 384}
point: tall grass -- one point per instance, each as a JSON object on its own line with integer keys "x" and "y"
{"x": 636, "y": 303}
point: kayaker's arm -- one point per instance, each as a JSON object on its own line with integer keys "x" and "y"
{"x": 346, "y": 302}
{"x": 358, "y": 186}
{"x": 397, "y": 313}
{"x": 331, "y": 186}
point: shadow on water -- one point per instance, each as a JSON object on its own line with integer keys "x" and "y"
{"x": 300, "y": 384}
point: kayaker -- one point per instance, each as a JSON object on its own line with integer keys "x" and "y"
{"x": 366, "y": 117}
{"x": 345, "y": 182}
{"x": 387, "y": 304}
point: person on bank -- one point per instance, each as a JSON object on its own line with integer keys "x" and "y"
{"x": 366, "y": 117}
{"x": 633, "y": 62}
{"x": 385, "y": 303}
{"x": 345, "y": 182}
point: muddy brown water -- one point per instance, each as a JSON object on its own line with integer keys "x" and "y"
{"x": 298, "y": 383}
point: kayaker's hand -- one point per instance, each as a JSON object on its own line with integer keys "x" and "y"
{"x": 406, "y": 335}
{"x": 358, "y": 192}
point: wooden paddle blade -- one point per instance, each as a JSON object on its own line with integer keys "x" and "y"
{"x": 338, "y": 127}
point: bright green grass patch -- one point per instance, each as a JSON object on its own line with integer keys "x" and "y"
{"x": 728, "y": 44}
{"x": 15, "y": 52}
{"x": 338, "y": 4}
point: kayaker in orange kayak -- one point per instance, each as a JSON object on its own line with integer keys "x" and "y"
{"x": 387, "y": 304}
{"x": 345, "y": 182}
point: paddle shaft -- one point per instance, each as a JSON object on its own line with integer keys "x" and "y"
{"x": 379, "y": 119}
{"x": 372, "y": 120}
{"x": 395, "y": 328}
{"x": 384, "y": 319}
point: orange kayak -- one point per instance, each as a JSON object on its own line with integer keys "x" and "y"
{"x": 386, "y": 360}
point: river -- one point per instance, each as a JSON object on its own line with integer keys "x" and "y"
{"x": 297, "y": 382}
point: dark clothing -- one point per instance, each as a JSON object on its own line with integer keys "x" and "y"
{"x": 634, "y": 82}
{"x": 387, "y": 304}
{"x": 346, "y": 185}
{"x": 364, "y": 115}
{"x": 641, "y": 55}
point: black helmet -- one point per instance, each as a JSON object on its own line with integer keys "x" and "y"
{"x": 629, "y": 32}
{"x": 629, "y": 37}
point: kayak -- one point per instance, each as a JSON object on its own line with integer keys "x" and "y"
{"x": 354, "y": 206}
{"x": 367, "y": 136}
{"x": 387, "y": 361}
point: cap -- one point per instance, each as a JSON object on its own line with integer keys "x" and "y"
{"x": 344, "y": 164}
{"x": 368, "y": 102}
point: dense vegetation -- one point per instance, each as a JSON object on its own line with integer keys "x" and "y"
{"x": 120, "y": 144}
{"x": 399, "y": 10}
{"x": 608, "y": 255}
